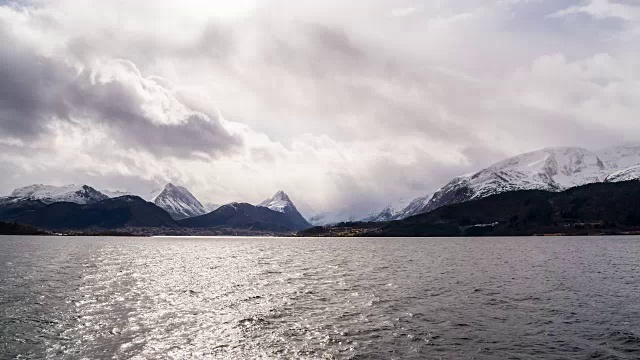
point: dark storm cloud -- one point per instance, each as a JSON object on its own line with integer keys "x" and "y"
{"x": 30, "y": 89}
{"x": 36, "y": 90}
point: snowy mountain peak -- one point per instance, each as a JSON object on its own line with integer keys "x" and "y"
{"x": 79, "y": 194}
{"x": 281, "y": 202}
{"x": 179, "y": 202}
{"x": 546, "y": 169}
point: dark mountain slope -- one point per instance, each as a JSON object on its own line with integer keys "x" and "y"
{"x": 124, "y": 211}
{"x": 13, "y": 208}
{"x": 243, "y": 216}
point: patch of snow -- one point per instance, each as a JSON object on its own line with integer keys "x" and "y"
{"x": 179, "y": 202}
{"x": 79, "y": 194}
{"x": 279, "y": 202}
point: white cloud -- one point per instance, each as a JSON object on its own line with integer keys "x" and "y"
{"x": 337, "y": 103}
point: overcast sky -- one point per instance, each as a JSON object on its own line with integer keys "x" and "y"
{"x": 342, "y": 104}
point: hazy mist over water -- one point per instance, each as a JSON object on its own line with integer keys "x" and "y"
{"x": 525, "y": 298}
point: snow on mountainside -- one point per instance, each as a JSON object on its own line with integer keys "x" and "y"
{"x": 413, "y": 207}
{"x": 550, "y": 169}
{"x": 630, "y": 173}
{"x": 79, "y": 194}
{"x": 281, "y": 202}
{"x": 620, "y": 158}
{"x": 179, "y": 202}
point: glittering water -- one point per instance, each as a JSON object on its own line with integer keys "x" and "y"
{"x": 520, "y": 298}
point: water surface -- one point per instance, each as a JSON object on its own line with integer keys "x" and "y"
{"x": 235, "y": 298}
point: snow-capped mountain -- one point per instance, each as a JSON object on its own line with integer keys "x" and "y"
{"x": 79, "y": 194}
{"x": 550, "y": 169}
{"x": 281, "y": 203}
{"x": 179, "y": 202}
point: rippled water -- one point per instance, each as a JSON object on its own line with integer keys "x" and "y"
{"x": 520, "y": 298}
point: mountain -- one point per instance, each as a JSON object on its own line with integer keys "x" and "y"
{"x": 120, "y": 212}
{"x": 79, "y": 194}
{"x": 11, "y": 208}
{"x": 281, "y": 203}
{"x": 589, "y": 209}
{"x": 244, "y": 216}
{"x": 179, "y": 202}
{"x": 550, "y": 169}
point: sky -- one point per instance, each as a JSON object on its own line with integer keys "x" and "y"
{"x": 343, "y": 105}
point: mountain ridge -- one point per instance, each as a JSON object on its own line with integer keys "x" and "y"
{"x": 549, "y": 169}
{"x": 598, "y": 208}
{"x": 120, "y": 212}
{"x": 243, "y": 216}
{"x": 79, "y": 194}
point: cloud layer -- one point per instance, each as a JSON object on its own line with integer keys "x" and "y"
{"x": 341, "y": 105}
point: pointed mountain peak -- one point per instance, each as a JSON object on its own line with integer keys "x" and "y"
{"x": 279, "y": 202}
{"x": 179, "y": 202}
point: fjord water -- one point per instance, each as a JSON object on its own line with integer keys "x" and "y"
{"x": 485, "y": 298}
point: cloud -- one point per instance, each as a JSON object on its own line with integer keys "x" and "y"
{"x": 39, "y": 89}
{"x": 602, "y": 9}
{"x": 340, "y": 104}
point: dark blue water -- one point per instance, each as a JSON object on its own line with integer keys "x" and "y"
{"x": 507, "y": 298}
